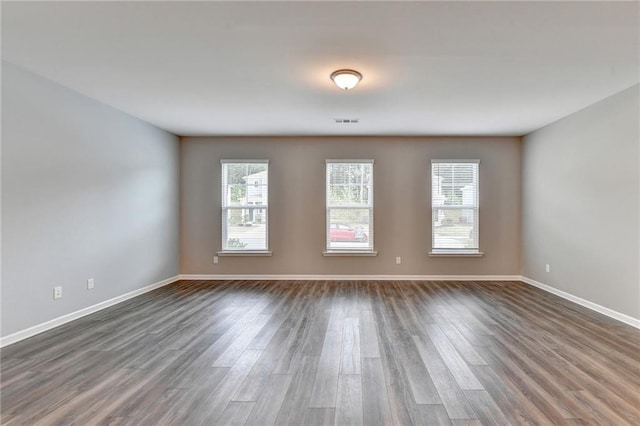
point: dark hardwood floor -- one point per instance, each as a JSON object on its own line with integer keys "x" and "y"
{"x": 329, "y": 352}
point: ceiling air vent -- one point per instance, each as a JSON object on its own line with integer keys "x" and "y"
{"x": 347, "y": 120}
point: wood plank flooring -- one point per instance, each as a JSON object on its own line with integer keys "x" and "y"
{"x": 329, "y": 353}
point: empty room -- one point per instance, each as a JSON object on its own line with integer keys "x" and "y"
{"x": 320, "y": 213}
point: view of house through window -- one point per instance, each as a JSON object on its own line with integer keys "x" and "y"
{"x": 350, "y": 205}
{"x": 245, "y": 200}
{"x": 454, "y": 202}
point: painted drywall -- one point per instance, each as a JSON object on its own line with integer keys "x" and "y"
{"x": 87, "y": 192}
{"x": 402, "y": 215}
{"x": 580, "y": 203}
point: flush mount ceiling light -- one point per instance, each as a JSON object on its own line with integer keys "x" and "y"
{"x": 346, "y": 79}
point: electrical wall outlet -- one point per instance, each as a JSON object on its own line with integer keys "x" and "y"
{"x": 57, "y": 292}
{"x": 89, "y": 283}
{"x": 547, "y": 267}
{"x": 215, "y": 260}
{"x": 398, "y": 260}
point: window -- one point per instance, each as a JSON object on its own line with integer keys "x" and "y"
{"x": 454, "y": 206}
{"x": 349, "y": 206}
{"x": 245, "y": 206}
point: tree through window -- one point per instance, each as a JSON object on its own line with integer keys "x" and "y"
{"x": 245, "y": 205}
{"x": 349, "y": 205}
{"x": 454, "y": 204}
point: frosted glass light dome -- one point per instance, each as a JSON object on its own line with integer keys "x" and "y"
{"x": 346, "y": 79}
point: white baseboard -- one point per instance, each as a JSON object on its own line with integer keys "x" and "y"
{"x": 37, "y": 329}
{"x": 56, "y": 322}
{"x": 634, "y": 322}
{"x": 352, "y": 277}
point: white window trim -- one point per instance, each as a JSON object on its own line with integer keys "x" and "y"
{"x": 455, "y": 253}
{"x": 266, "y": 251}
{"x": 249, "y": 160}
{"x": 342, "y": 160}
{"x": 349, "y": 252}
{"x": 457, "y": 160}
{"x": 249, "y": 253}
{"x": 356, "y": 253}
{"x": 452, "y": 252}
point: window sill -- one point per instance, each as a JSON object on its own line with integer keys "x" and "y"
{"x": 455, "y": 253}
{"x": 349, "y": 253}
{"x": 244, "y": 253}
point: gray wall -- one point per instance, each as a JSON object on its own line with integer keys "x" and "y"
{"x": 402, "y": 204}
{"x": 87, "y": 192}
{"x": 580, "y": 203}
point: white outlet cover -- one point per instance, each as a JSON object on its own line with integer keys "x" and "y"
{"x": 215, "y": 259}
{"x": 57, "y": 292}
{"x": 398, "y": 260}
{"x": 90, "y": 283}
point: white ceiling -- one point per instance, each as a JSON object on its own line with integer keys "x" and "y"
{"x": 241, "y": 68}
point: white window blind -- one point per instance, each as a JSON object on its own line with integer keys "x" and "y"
{"x": 350, "y": 205}
{"x": 454, "y": 203}
{"x": 245, "y": 205}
